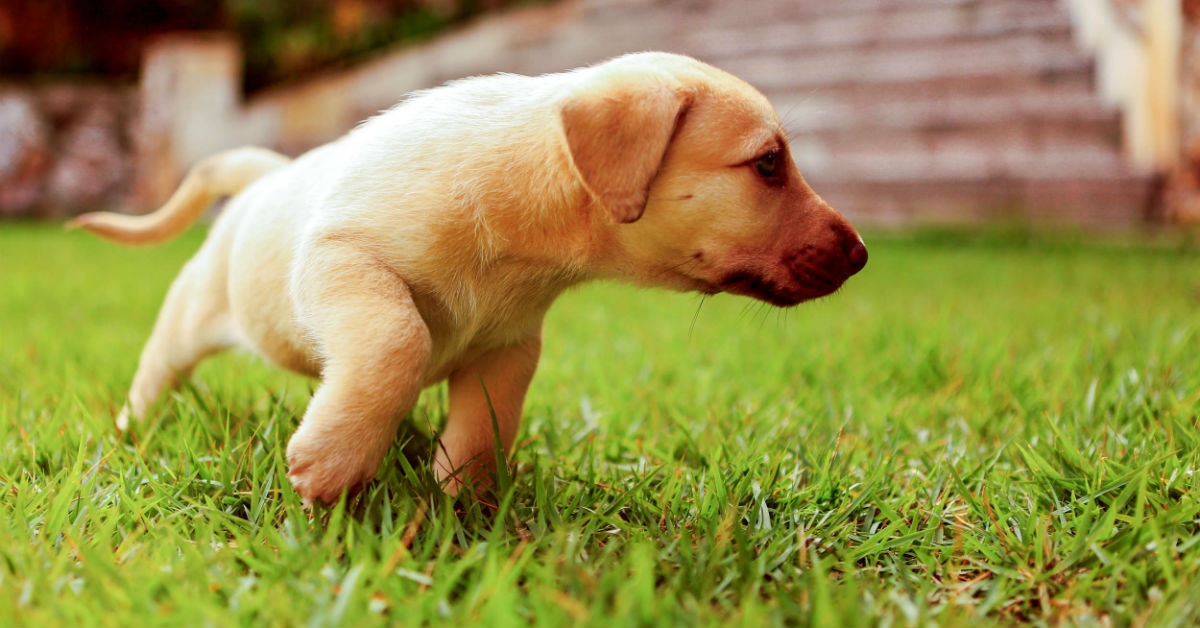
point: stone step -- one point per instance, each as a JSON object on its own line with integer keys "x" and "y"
{"x": 1112, "y": 201}
{"x": 964, "y": 163}
{"x": 882, "y": 28}
{"x": 1017, "y": 149}
{"x": 742, "y": 12}
{"x": 973, "y": 58}
{"x": 941, "y": 103}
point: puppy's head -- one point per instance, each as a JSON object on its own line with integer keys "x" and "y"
{"x": 692, "y": 167}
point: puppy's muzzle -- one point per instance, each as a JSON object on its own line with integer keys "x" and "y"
{"x": 824, "y": 268}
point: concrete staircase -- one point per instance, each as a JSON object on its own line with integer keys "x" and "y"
{"x": 897, "y": 109}
{"x": 939, "y": 109}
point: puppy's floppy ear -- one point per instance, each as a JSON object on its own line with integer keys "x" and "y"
{"x": 617, "y": 129}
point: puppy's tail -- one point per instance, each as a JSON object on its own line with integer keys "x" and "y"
{"x": 223, "y": 174}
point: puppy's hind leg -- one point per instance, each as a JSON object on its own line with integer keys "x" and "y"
{"x": 194, "y": 323}
{"x": 492, "y": 386}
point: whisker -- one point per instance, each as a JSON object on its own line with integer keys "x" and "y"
{"x": 682, "y": 268}
{"x": 671, "y": 269}
{"x": 785, "y": 118}
{"x": 695, "y": 316}
{"x": 762, "y": 313}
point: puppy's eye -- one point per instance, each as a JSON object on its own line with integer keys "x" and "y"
{"x": 768, "y": 165}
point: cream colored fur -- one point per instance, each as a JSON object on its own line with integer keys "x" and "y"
{"x": 428, "y": 244}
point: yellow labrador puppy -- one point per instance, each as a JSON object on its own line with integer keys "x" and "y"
{"x": 428, "y": 243}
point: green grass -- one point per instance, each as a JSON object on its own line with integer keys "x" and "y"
{"x": 976, "y": 431}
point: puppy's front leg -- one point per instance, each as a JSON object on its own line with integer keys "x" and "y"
{"x": 467, "y": 450}
{"x": 375, "y": 346}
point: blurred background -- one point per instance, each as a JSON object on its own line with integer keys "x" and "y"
{"x": 1078, "y": 112}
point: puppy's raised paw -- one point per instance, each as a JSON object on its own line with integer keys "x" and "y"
{"x": 321, "y": 469}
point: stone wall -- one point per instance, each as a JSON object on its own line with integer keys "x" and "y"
{"x": 65, "y": 148}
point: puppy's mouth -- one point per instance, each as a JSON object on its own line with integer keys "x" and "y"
{"x": 800, "y": 287}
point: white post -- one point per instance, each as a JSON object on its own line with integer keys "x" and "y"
{"x": 190, "y": 101}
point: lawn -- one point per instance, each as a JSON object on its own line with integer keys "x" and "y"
{"x": 978, "y": 430}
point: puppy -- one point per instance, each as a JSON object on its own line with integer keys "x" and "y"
{"x": 428, "y": 244}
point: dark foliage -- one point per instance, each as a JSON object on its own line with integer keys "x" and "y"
{"x": 281, "y": 39}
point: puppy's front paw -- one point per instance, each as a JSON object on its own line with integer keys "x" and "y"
{"x": 322, "y": 468}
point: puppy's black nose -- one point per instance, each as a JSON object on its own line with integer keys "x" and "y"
{"x": 856, "y": 253}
